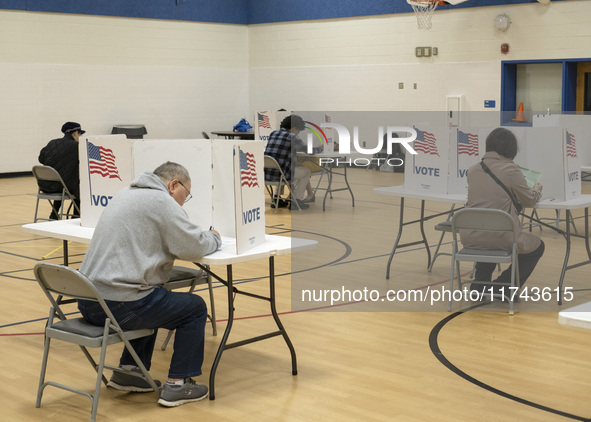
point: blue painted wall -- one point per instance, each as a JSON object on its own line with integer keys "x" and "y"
{"x": 232, "y": 11}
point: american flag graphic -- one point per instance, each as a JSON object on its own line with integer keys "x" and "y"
{"x": 467, "y": 143}
{"x": 425, "y": 142}
{"x": 248, "y": 169}
{"x": 263, "y": 120}
{"x": 102, "y": 161}
{"x": 571, "y": 145}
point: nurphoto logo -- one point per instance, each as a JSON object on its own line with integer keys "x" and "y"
{"x": 406, "y": 135}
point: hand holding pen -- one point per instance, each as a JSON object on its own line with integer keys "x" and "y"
{"x": 214, "y": 231}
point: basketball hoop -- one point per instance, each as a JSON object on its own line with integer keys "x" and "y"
{"x": 424, "y": 11}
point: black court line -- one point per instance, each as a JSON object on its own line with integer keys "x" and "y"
{"x": 433, "y": 344}
{"x": 11, "y": 242}
{"x": 19, "y": 256}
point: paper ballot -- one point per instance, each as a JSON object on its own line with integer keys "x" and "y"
{"x": 531, "y": 176}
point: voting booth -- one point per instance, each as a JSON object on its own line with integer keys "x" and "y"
{"x": 316, "y": 130}
{"x": 551, "y": 152}
{"x": 549, "y": 155}
{"x": 577, "y": 125}
{"x": 266, "y": 121}
{"x": 428, "y": 170}
{"x": 109, "y": 163}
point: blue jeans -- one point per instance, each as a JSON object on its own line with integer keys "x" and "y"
{"x": 184, "y": 312}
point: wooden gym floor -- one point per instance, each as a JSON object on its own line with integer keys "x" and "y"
{"x": 358, "y": 361}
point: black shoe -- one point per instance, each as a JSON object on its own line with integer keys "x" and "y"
{"x": 282, "y": 203}
{"x": 294, "y": 205}
{"x": 307, "y": 201}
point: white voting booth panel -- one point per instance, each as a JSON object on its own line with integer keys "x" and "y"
{"x": 266, "y": 121}
{"x": 209, "y": 162}
{"x": 249, "y": 195}
{"x": 546, "y": 150}
{"x": 577, "y": 125}
{"x": 105, "y": 169}
{"x": 465, "y": 150}
{"x": 427, "y": 170}
{"x": 317, "y": 131}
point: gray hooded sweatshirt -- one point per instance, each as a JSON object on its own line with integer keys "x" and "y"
{"x": 138, "y": 238}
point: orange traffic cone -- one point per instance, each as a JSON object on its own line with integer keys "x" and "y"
{"x": 519, "y": 116}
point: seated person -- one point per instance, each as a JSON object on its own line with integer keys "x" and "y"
{"x": 136, "y": 241}
{"x": 62, "y": 155}
{"x": 485, "y": 192}
{"x": 283, "y": 145}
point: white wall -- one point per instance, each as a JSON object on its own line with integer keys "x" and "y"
{"x": 182, "y": 78}
{"x": 357, "y": 63}
{"x": 177, "y": 78}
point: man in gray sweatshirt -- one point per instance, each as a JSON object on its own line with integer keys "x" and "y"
{"x": 135, "y": 243}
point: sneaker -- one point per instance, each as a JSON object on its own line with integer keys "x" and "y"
{"x": 282, "y": 203}
{"x": 175, "y": 395}
{"x": 309, "y": 200}
{"x": 126, "y": 382}
{"x": 293, "y": 205}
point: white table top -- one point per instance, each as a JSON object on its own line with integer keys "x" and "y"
{"x": 577, "y": 316}
{"x": 580, "y": 202}
{"x": 399, "y": 191}
{"x": 273, "y": 245}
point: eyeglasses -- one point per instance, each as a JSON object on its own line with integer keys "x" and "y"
{"x": 188, "y": 198}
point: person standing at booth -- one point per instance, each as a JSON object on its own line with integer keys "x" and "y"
{"x": 136, "y": 241}
{"x": 485, "y": 192}
{"x": 62, "y": 155}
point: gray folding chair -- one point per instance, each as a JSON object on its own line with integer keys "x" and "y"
{"x": 60, "y": 281}
{"x": 487, "y": 220}
{"x": 182, "y": 277}
{"x": 49, "y": 174}
{"x": 271, "y": 163}
{"x": 443, "y": 227}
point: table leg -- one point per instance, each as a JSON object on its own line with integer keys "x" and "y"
{"x": 224, "y": 340}
{"x": 566, "y": 256}
{"x": 422, "y": 226}
{"x": 224, "y": 345}
{"x": 400, "y": 226}
{"x": 65, "y": 248}
{"x": 349, "y": 187}
{"x": 294, "y": 364}
{"x": 328, "y": 187}
{"x": 423, "y": 240}
{"x": 587, "y": 233}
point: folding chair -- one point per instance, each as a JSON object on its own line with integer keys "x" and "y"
{"x": 487, "y": 220}
{"x": 59, "y": 280}
{"x": 182, "y": 277}
{"x": 49, "y": 174}
{"x": 271, "y": 163}
{"x": 445, "y": 227}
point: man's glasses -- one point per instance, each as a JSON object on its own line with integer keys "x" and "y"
{"x": 188, "y": 198}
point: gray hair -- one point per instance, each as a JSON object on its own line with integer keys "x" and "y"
{"x": 169, "y": 171}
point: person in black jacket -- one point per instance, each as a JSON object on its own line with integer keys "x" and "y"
{"x": 62, "y": 155}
